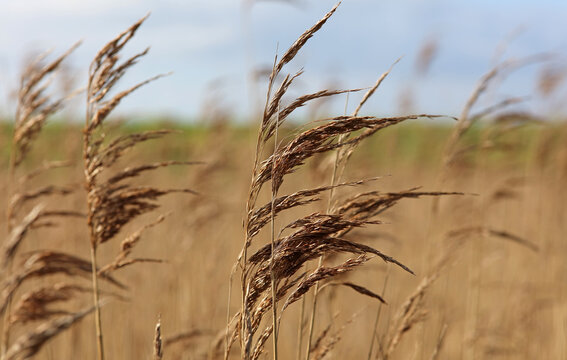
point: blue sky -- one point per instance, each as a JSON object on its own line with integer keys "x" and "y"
{"x": 214, "y": 44}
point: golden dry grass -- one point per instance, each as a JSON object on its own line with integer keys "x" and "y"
{"x": 460, "y": 230}
{"x": 497, "y": 297}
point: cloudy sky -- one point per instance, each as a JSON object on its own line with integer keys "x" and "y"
{"x": 211, "y": 46}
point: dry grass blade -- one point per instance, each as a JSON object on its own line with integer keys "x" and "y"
{"x": 298, "y": 44}
{"x": 261, "y": 216}
{"x": 320, "y": 274}
{"x": 158, "y": 349}
{"x": 260, "y": 309}
{"x": 369, "y": 204}
{"x": 319, "y": 341}
{"x": 57, "y": 214}
{"x": 186, "y": 336}
{"x": 229, "y": 335}
{"x": 33, "y": 106}
{"x": 465, "y": 120}
{"x": 46, "y": 166}
{"x": 104, "y": 72}
{"x": 268, "y": 127}
{"x": 327, "y": 342}
{"x": 316, "y": 236}
{"x": 27, "y": 345}
{"x": 317, "y": 140}
{"x": 17, "y": 235}
{"x": 126, "y": 248}
{"x": 258, "y": 350}
{"x": 344, "y": 152}
{"x": 303, "y": 285}
{"x": 312, "y": 239}
{"x": 373, "y": 89}
{"x": 514, "y": 119}
{"x": 440, "y": 342}
{"x": 107, "y": 156}
{"x": 498, "y": 106}
{"x": 44, "y": 263}
{"x": 411, "y": 313}
{"x": 362, "y": 290}
{"x": 106, "y": 107}
{"x": 121, "y": 204}
{"x": 19, "y": 199}
{"x": 136, "y": 171}
{"x": 33, "y": 305}
{"x": 107, "y": 269}
{"x": 486, "y": 231}
{"x": 342, "y": 155}
{"x": 551, "y": 78}
{"x": 62, "y": 213}
{"x": 302, "y": 100}
{"x": 426, "y": 55}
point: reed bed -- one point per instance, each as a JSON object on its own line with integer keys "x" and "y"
{"x": 336, "y": 238}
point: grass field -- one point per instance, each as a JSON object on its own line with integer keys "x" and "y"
{"x": 432, "y": 241}
{"x": 497, "y": 297}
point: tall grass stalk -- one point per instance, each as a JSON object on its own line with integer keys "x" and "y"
{"x": 320, "y": 261}
{"x": 272, "y": 242}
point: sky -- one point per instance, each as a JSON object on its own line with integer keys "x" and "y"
{"x": 211, "y": 47}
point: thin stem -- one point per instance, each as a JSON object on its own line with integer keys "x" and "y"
{"x": 300, "y": 331}
{"x": 320, "y": 263}
{"x": 243, "y": 257}
{"x": 312, "y": 320}
{"x": 6, "y": 326}
{"x": 375, "y": 330}
{"x": 11, "y": 185}
{"x": 91, "y": 185}
{"x": 96, "y": 292}
{"x": 272, "y": 274}
{"x": 228, "y": 315}
{"x": 98, "y": 322}
{"x": 9, "y": 215}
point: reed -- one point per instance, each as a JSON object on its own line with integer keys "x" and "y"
{"x": 113, "y": 202}
{"x": 272, "y": 273}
